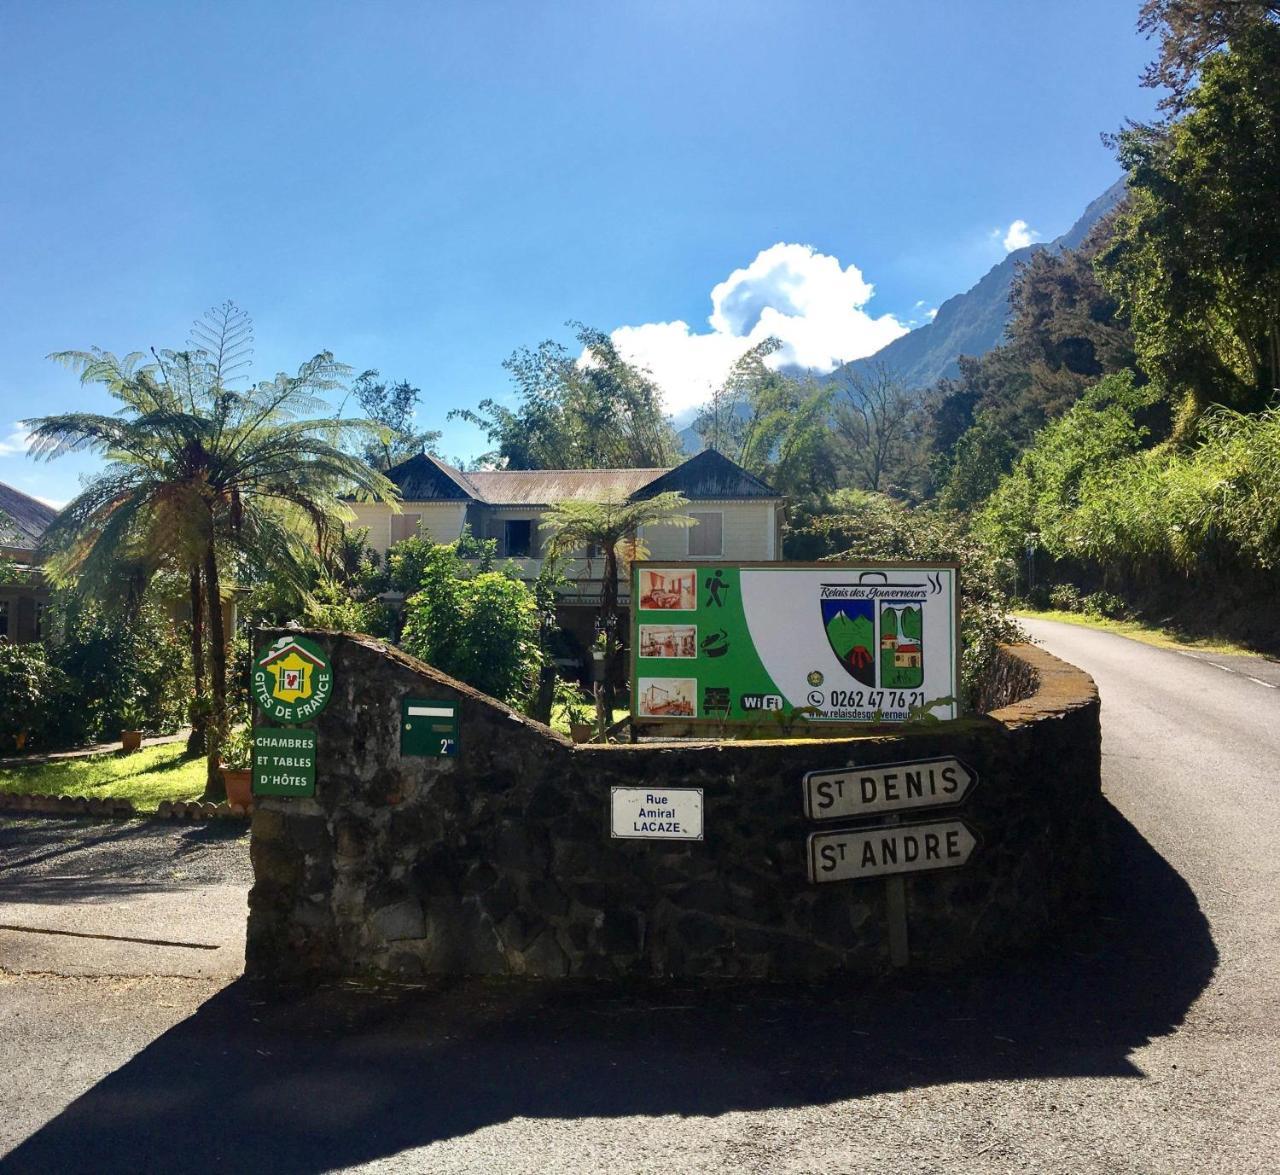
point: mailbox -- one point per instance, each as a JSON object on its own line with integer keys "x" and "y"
{"x": 428, "y": 727}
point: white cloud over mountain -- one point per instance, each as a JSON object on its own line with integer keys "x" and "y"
{"x": 807, "y": 300}
{"x": 1019, "y": 235}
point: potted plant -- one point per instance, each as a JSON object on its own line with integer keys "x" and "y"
{"x": 599, "y": 651}
{"x": 576, "y": 708}
{"x": 237, "y": 766}
{"x": 131, "y": 717}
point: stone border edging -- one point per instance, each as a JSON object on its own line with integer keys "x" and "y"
{"x": 109, "y": 808}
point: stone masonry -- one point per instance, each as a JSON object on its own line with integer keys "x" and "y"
{"x": 499, "y": 861}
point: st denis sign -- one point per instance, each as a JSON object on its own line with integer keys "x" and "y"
{"x": 882, "y": 852}
{"x": 292, "y": 680}
{"x": 850, "y": 792}
{"x": 655, "y": 813}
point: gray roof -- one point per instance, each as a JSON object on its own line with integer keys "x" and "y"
{"x": 705, "y": 476}
{"x": 709, "y": 475}
{"x": 426, "y": 479}
{"x": 542, "y": 487}
{"x": 22, "y": 519}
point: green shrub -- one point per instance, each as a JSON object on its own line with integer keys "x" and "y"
{"x": 32, "y": 692}
{"x": 333, "y": 606}
{"x": 1064, "y": 597}
{"x": 480, "y": 628}
{"x": 1104, "y": 604}
{"x": 122, "y": 671}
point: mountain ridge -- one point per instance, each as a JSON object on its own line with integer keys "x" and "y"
{"x": 974, "y": 322}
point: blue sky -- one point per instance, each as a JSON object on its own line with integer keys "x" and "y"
{"x": 421, "y": 188}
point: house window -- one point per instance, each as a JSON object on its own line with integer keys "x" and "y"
{"x": 40, "y": 606}
{"x": 4, "y": 617}
{"x": 404, "y": 526}
{"x": 706, "y": 540}
{"x": 518, "y": 537}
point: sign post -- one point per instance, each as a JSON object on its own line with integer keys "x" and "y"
{"x": 895, "y": 906}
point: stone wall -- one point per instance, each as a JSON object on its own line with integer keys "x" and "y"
{"x": 500, "y": 861}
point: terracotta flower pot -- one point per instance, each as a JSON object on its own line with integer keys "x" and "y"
{"x": 581, "y": 731}
{"x": 239, "y": 785}
{"x": 131, "y": 740}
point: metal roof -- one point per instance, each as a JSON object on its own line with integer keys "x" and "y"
{"x": 542, "y": 487}
{"x": 708, "y": 475}
{"x": 426, "y": 479}
{"x": 23, "y": 519}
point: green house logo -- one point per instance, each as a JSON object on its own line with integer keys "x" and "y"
{"x": 292, "y": 680}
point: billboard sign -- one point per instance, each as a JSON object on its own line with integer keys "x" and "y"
{"x": 823, "y": 642}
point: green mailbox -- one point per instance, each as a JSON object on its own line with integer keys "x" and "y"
{"x": 428, "y": 727}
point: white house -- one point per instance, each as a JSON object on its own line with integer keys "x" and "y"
{"x": 738, "y": 515}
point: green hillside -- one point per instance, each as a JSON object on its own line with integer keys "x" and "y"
{"x": 846, "y": 633}
{"x": 912, "y": 623}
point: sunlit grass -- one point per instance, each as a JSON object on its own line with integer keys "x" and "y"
{"x": 145, "y": 777}
{"x": 560, "y": 720}
{"x": 1148, "y": 634}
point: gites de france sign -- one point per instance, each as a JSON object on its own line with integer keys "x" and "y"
{"x": 292, "y": 680}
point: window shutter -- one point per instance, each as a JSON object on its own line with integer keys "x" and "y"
{"x": 707, "y": 538}
{"x": 404, "y": 526}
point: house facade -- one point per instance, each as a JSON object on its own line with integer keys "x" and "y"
{"x": 737, "y": 516}
{"x": 23, "y": 594}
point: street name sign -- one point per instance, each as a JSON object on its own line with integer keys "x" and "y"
{"x": 850, "y": 792}
{"x": 882, "y": 852}
{"x": 284, "y": 762}
{"x": 655, "y": 813}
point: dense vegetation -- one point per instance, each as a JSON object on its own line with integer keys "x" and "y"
{"x": 1120, "y": 451}
{"x": 1122, "y": 446}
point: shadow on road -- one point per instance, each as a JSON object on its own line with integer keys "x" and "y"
{"x": 338, "y": 1077}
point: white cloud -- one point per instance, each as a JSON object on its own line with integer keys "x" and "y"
{"x": 805, "y": 299}
{"x": 15, "y": 442}
{"x": 1019, "y": 236}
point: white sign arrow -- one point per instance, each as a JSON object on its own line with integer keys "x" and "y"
{"x": 886, "y": 787}
{"x": 879, "y": 852}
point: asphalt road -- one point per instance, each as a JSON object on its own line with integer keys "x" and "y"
{"x": 1147, "y": 1043}
{"x": 123, "y": 898}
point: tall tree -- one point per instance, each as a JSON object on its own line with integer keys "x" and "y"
{"x": 1065, "y": 332}
{"x": 614, "y": 526}
{"x": 590, "y": 411}
{"x": 771, "y": 423}
{"x": 878, "y": 420}
{"x": 207, "y": 476}
{"x": 1195, "y": 262}
{"x": 1190, "y": 32}
{"x": 391, "y": 408}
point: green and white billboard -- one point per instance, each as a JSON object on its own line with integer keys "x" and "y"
{"x": 836, "y": 642}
